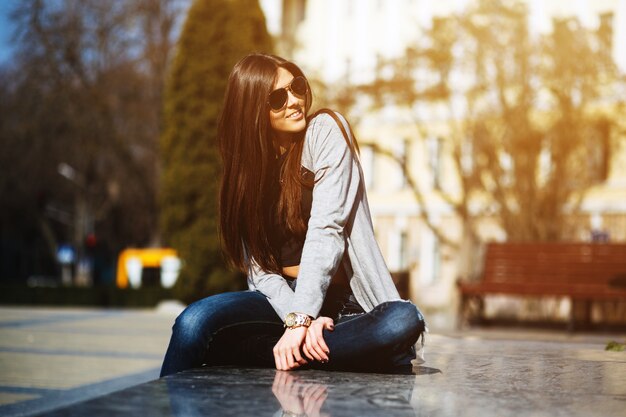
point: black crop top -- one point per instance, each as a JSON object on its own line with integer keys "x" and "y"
{"x": 291, "y": 246}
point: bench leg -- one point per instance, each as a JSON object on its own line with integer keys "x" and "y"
{"x": 471, "y": 310}
{"x": 480, "y": 310}
{"x": 461, "y": 316}
{"x": 580, "y": 315}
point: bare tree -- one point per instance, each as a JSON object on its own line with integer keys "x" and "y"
{"x": 84, "y": 100}
{"x": 525, "y": 132}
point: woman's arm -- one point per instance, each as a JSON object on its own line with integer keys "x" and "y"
{"x": 336, "y": 190}
{"x": 273, "y": 286}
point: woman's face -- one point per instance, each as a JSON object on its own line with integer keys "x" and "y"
{"x": 290, "y": 118}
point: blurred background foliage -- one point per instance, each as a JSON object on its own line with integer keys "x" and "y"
{"x": 107, "y": 133}
{"x": 79, "y": 130}
{"x": 216, "y": 34}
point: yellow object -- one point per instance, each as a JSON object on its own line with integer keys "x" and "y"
{"x": 149, "y": 258}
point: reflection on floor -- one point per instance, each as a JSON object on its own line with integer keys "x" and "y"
{"x": 258, "y": 392}
{"x": 462, "y": 376}
{"x": 53, "y": 360}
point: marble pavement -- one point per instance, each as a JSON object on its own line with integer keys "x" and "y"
{"x": 476, "y": 373}
{"x": 50, "y": 358}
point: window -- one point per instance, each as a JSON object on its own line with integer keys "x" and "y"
{"x": 430, "y": 257}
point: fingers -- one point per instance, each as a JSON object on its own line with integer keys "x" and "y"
{"x": 316, "y": 350}
{"x": 287, "y": 351}
{"x": 291, "y": 359}
{"x": 279, "y": 358}
{"x": 321, "y": 343}
{"x": 308, "y": 345}
{"x": 307, "y": 353}
{"x": 288, "y": 359}
{"x": 299, "y": 360}
{"x": 315, "y": 344}
{"x": 276, "y": 359}
{"x": 284, "y": 361}
{"x": 329, "y": 325}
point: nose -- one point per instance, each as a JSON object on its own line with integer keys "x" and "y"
{"x": 292, "y": 100}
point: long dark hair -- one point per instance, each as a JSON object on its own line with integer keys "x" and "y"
{"x": 249, "y": 188}
{"x": 252, "y": 200}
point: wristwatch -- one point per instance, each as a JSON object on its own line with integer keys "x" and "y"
{"x": 294, "y": 320}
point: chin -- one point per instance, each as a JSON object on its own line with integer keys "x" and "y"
{"x": 293, "y": 128}
{"x": 302, "y": 124}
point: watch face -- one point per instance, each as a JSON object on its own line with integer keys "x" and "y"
{"x": 290, "y": 320}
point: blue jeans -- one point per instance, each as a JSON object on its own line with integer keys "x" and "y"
{"x": 241, "y": 328}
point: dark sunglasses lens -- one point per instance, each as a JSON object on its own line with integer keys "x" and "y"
{"x": 278, "y": 98}
{"x": 298, "y": 86}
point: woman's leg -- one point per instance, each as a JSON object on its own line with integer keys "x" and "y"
{"x": 383, "y": 338}
{"x": 220, "y": 328}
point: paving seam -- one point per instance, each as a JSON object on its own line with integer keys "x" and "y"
{"x": 57, "y": 319}
{"x": 54, "y": 399}
{"x": 96, "y": 331}
{"x": 83, "y": 353}
{"x": 28, "y": 390}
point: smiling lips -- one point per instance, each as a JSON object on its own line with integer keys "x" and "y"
{"x": 296, "y": 115}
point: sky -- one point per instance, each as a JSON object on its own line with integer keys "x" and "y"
{"x": 6, "y": 30}
{"x": 7, "y": 48}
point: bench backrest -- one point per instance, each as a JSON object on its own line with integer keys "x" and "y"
{"x": 555, "y": 263}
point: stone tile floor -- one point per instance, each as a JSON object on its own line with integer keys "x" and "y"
{"x": 50, "y": 360}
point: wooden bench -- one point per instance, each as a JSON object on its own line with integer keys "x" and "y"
{"x": 584, "y": 272}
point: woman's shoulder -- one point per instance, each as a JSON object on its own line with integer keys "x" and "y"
{"x": 327, "y": 125}
{"x": 326, "y": 118}
{"x": 327, "y": 133}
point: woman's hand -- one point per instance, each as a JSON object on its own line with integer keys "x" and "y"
{"x": 315, "y": 347}
{"x": 287, "y": 351}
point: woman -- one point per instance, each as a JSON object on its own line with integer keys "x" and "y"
{"x": 294, "y": 215}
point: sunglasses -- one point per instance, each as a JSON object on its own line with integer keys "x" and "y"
{"x": 279, "y": 97}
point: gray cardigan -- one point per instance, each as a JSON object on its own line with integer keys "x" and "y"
{"x": 340, "y": 232}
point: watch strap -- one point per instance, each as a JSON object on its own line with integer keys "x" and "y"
{"x": 295, "y": 320}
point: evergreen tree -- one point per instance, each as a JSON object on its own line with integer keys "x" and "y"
{"x": 216, "y": 34}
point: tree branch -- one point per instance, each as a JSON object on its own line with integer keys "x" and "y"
{"x": 402, "y": 163}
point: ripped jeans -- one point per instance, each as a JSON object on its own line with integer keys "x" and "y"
{"x": 241, "y": 328}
